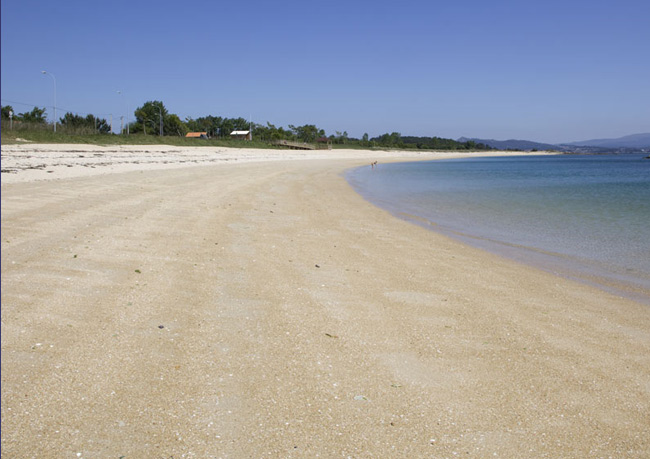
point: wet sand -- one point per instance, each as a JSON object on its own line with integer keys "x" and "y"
{"x": 256, "y": 306}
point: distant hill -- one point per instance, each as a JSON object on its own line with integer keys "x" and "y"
{"x": 626, "y": 144}
{"x": 513, "y": 144}
{"x": 628, "y": 141}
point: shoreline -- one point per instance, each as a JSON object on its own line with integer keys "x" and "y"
{"x": 587, "y": 271}
{"x": 30, "y": 162}
{"x": 265, "y": 308}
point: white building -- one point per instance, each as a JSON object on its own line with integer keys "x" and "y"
{"x": 241, "y": 135}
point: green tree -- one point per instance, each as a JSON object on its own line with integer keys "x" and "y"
{"x": 390, "y": 140}
{"x": 37, "y": 115}
{"x": 218, "y": 126}
{"x": 307, "y": 133}
{"x": 234, "y": 124}
{"x": 150, "y": 111}
{"x": 100, "y": 124}
{"x": 270, "y": 132}
{"x": 84, "y": 125}
{"x": 340, "y": 138}
{"x": 72, "y": 121}
{"x": 174, "y": 126}
{"x": 210, "y": 124}
{"x": 5, "y": 111}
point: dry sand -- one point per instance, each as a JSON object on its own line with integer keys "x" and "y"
{"x": 254, "y": 306}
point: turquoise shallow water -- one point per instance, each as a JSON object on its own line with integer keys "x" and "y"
{"x": 586, "y": 217}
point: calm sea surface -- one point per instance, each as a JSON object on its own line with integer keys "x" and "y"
{"x": 584, "y": 217}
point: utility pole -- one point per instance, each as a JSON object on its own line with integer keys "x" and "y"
{"x": 127, "y": 111}
{"x": 54, "y": 78}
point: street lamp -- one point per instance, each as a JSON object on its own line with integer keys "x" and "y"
{"x": 46, "y": 73}
{"x": 127, "y": 112}
{"x": 161, "y": 124}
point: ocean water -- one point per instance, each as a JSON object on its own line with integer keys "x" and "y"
{"x": 584, "y": 217}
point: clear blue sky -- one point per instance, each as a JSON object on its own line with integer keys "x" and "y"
{"x": 550, "y": 71}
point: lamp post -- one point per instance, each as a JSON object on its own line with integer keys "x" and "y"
{"x": 160, "y": 114}
{"x": 54, "y": 78}
{"x": 127, "y": 111}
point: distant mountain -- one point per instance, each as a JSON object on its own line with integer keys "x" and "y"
{"x": 628, "y": 141}
{"x": 512, "y": 144}
{"x": 626, "y": 144}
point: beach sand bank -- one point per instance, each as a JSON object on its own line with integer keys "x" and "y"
{"x": 253, "y": 305}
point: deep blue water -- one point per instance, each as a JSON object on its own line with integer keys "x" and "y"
{"x": 586, "y": 217}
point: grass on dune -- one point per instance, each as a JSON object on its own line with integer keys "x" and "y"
{"x": 41, "y": 136}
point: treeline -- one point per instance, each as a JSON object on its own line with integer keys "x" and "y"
{"x": 395, "y": 140}
{"x": 70, "y": 123}
{"x": 153, "y": 118}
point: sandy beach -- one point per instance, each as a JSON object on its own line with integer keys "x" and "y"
{"x": 176, "y": 302}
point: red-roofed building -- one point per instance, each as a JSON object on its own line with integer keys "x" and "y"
{"x": 197, "y": 135}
